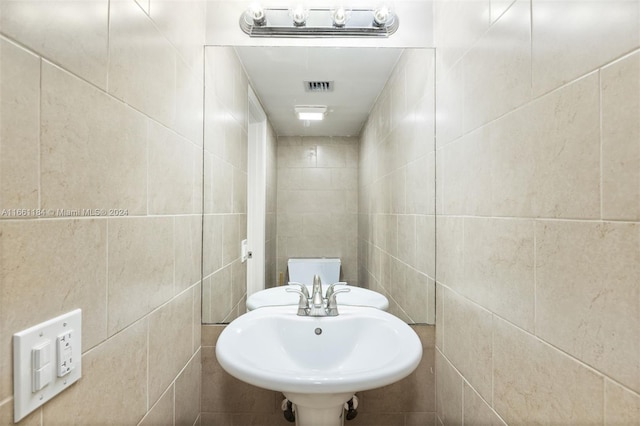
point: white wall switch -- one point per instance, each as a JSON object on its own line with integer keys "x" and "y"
{"x": 41, "y": 365}
{"x": 42, "y": 370}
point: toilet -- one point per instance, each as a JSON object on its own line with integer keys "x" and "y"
{"x": 302, "y": 270}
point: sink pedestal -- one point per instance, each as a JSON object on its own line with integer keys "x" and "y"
{"x": 319, "y": 409}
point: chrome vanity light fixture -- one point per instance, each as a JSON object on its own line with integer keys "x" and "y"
{"x": 299, "y": 21}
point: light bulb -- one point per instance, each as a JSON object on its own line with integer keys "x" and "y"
{"x": 256, "y": 12}
{"x": 299, "y": 15}
{"x": 339, "y": 17}
{"x": 381, "y": 16}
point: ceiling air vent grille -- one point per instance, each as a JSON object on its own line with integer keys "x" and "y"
{"x": 318, "y": 86}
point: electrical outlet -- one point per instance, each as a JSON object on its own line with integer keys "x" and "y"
{"x": 42, "y": 370}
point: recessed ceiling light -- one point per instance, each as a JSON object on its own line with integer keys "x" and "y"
{"x": 311, "y": 113}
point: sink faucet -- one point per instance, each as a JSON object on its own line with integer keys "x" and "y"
{"x": 316, "y": 305}
{"x": 317, "y": 302}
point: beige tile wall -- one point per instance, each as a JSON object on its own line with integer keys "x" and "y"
{"x": 538, "y": 240}
{"x": 317, "y": 207}
{"x": 225, "y": 177}
{"x": 227, "y": 401}
{"x": 396, "y": 221}
{"x": 225, "y": 187}
{"x": 102, "y": 109}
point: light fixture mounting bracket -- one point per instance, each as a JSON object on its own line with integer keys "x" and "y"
{"x": 319, "y": 23}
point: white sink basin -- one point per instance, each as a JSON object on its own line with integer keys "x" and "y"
{"x": 318, "y": 362}
{"x": 278, "y": 296}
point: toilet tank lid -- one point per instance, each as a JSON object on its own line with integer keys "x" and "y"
{"x": 314, "y": 259}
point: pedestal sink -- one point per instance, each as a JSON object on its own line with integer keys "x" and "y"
{"x": 318, "y": 362}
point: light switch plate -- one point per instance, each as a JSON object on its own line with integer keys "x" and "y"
{"x": 33, "y": 338}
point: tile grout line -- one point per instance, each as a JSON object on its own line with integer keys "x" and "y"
{"x": 600, "y": 128}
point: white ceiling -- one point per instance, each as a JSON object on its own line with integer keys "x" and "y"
{"x": 277, "y": 75}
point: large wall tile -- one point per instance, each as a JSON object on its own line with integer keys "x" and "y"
{"x": 169, "y": 327}
{"x": 224, "y": 393}
{"x": 142, "y": 62}
{"x": 621, "y": 139}
{"x": 231, "y": 233}
{"x": 498, "y": 7}
{"x": 419, "y": 73}
{"x": 6, "y": 415}
{"x": 426, "y": 245}
{"x": 212, "y": 231}
{"x": 19, "y": 127}
{"x": 421, "y": 419}
{"x": 466, "y": 175}
{"x": 499, "y": 267}
{"x": 188, "y": 251}
{"x": 51, "y": 283}
{"x": 161, "y": 414}
{"x": 220, "y": 174}
{"x": 458, "y": 25}
{"x": 140, "y": 270}
{"x": 407, "y": 239}
{"x": 477, "y": 411}
{"x": 572, "y": 38}
{"x": 449, "y": 385}
{"x": 513, "y": 185}
{"x": 235, "y": 145}
{"x": 73, "y": 34}
{"x": 568, "y": 151}
{"x": 420, "y": 198}
{"x": 171, "y": 177}
{"x": 468, "y": 341}
{"x": 415, "y": 393}
{"x": 239, "y": 191}
{"x": 183, "y": 23}
{"x": 622, "y": 407}
{"x": 450, "y": 246}
{"x": 219, "y": 75}
{"x": 563, "y": 141}
{"x": 534, "y": 383}
{"x": 188, "y": 392}
{"x": 419, "y": 300}
{"x": 88, "y": 400}
{"x": 449, "y": 106}
{"x": 587, "y": 294}
{"x": 499, "y": 80}
{"x": 215, "y": 117}
{"x": 296, "y": 156}
{"x": 189, "y": 102}
{"x": 220, "y": 290}
{"x": 93, "y": 148}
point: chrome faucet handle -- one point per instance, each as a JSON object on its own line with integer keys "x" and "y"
{"x": 303, "y": 288}
{"x": 303, "y": 303}
{"x": 332, "y": 302}
{"x": 331, "y": 289}
{"x": 316, "y": 293}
